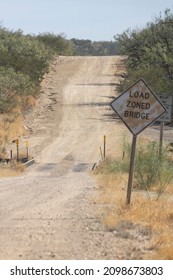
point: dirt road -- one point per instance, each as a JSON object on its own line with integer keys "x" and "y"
{"x": 48, "y": 212}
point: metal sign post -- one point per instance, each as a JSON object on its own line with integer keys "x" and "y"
{"x": 27, "y": 151}
{"x": 17, "y": 149}
{"x": 131, "y": 171}
{"x": 104, "y": 146}
{"x": 161, "y": 138}
{"x": 137, "y": 107}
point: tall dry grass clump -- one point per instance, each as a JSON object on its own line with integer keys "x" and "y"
{"x": 152, "y": 196}
{"x": 6, "y": 171}
{"x": 11, "y": 127}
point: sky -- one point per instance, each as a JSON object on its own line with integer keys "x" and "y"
{"x": 97, "y": 20}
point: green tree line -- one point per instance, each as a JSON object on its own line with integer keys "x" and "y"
{"x": 24, "y": 59}
{"x": 94, "y": 48}
{"x": 149, "y": 53}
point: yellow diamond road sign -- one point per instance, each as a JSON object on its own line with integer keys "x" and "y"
{"x": 138, "y": 107}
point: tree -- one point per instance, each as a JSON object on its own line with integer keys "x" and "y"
{"x": 57, "y": 43}
{"x": 149, "y": 52}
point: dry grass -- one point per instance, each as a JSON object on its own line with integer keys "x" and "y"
{"x": 156, "y": 215}
{"x": 169, "y": 189}
{"x": 7, "y": 171}
{"x": 11, "y": 127}
{"x": 30, "y": 102}
{"x": 11, "y": 124}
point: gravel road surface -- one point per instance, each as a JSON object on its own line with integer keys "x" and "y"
{"x": 49, "y": 211}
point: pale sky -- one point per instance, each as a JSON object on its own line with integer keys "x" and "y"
{"x": 97, "y": 20}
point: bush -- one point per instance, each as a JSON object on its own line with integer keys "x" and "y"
{"x": 23, "y": 62}
{"x": 149, "y": 53}
{"x": 57, "y": 43}
{"x": 12, "y": 85}
{"x": 25, "y": 54}
{"x": 153, "y": 171}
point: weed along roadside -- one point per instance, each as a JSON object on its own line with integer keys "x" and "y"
{"x": 150, "y": 212}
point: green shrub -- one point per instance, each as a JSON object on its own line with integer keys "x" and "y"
{"x": 152, "y": 169}
{"x": 23, "y": 62}
{"x": 57, "y": 43}
{"x": 25, "y": 54}
{"x": 14, "y": 84}
{"x": 149, "y": 53}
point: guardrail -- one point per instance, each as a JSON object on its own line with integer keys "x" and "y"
{"x": 29, "y": 162}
